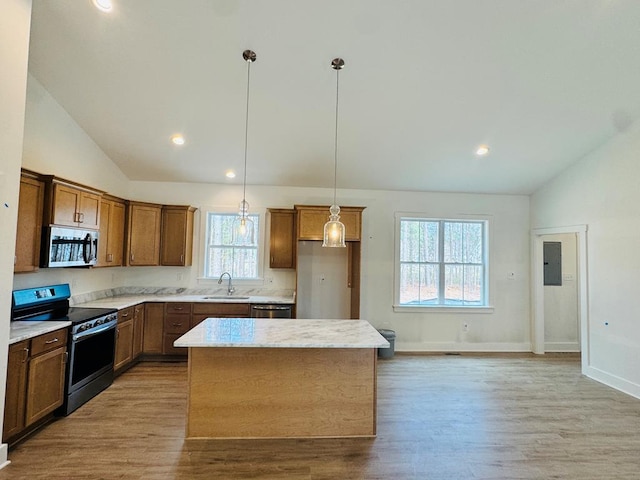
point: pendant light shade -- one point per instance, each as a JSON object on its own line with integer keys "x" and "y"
{"x": 334, "y": 231}
{"x": 243, "y": 228}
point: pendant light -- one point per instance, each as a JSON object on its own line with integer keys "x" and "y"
{"x": 243, "y": 228}
{"x": 334, "y": 232}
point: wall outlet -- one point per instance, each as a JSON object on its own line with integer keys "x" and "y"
{"x": 268, "y": 280}
{"x": 511, "y": 275}
{"x": 465, "y": 327}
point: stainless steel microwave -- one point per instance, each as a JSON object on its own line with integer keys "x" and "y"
{"x": 69, "y": 247}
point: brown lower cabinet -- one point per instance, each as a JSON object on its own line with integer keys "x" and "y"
{"x": 35, "y": 382}
{"x": 138, "y": 329}
{"x": 129, "y": 336}
{"x": 177, "y": 322}
{"x": 153, "y": 326}
{"x": 164, "y": 323}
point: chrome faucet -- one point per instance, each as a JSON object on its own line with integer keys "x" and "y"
{"x": 230, "y": 288}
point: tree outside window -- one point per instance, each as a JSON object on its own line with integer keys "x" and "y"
{"x": 442, "y": 262}
{"x": 220, "y": 253}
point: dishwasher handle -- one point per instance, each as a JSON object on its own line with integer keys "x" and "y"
{"x": 271, "y": 307}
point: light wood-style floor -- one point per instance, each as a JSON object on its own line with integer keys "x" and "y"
{"x": 440, "y": 417}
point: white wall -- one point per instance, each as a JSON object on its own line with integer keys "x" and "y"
{"x": 561, "y": 326}
{"x": 602, "y": 192}
{"x": 15, "y": 20}
{"x": 507, "y": 327}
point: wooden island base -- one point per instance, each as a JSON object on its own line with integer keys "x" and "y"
{"x": 281, "y": 392}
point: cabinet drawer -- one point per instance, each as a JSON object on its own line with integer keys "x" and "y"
{"x": 48, "y": 341}
{"x": 176, "y": 323}
{"x": 125, "y": 314}
{"x": 177, "y": 307}
{"x": 223, "y": 309}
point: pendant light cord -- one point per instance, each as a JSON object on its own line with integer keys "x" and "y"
{"x": 335, "y": 153}
{"x": 246, "y": 139}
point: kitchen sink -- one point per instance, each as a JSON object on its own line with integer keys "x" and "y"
{"x": 225, "y": 297}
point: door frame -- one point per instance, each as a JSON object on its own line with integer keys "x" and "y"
{"x": 537, "y": 286}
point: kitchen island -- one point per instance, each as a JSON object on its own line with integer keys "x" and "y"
{"x": 281, "y": 378}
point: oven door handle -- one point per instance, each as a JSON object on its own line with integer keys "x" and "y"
{"x": 94, "y": 331}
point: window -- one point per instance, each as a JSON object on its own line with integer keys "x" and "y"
{"x": 441, "y": 263}
{"x": 222, "y": 256}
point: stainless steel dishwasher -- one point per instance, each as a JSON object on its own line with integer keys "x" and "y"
{"x": 264, "y": 310}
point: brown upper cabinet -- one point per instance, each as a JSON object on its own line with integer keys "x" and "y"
{"x": 282, "y": 239}
{"x": 112, "y": 224}
{"x": 29, "y": 229}
{"x": 142, "y": 246}
{"x": 176, "y": 245}
{"x": 71, "y": 204}
{"x": 311, "y": 220}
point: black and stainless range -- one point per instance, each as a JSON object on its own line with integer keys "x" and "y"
{"x": 92, "y": 339}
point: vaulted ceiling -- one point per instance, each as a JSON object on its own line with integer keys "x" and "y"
{"x": 542, "y": 83}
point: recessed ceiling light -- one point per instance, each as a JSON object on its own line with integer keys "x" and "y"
{"x": 230, "y": 174}
{"x": 103, "y": 5}
{"x": 177, "y": 139}
{"x": 482, "y": 150}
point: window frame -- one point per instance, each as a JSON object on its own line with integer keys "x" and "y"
{"x": 486, "y": 307}
{"x": 203, "y": 279}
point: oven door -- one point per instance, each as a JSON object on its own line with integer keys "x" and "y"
{"x": 91, "y": 355}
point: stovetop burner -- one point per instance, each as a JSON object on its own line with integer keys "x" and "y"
{"x": 52, "y": 303}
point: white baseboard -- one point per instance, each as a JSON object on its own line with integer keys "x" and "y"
{"x": 461, "y": 347}
{"x": 3, "y": 456}
{"x": 612, "y": 381}
{"x": 562, "y": 347}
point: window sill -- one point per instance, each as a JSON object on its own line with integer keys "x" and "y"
{"x": 441, "y": 309}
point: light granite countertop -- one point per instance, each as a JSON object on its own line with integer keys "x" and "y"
{"x": 25, "y": 329}
{"x": 124, "y": 301}
{"x": 282, "y": 333}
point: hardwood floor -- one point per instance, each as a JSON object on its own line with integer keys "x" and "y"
{"x": 439, "y": 417}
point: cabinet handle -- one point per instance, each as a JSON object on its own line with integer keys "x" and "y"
{"x": 131, "y": 256}
{"x": 109, "y": 257}
{"x": 15, "y": 259}
{"x": 81, "y": 217}
{"x": 125, "y": 314}
{"x": 66, "y": 357}
{"x": 182, "y": 258}
{"x": 176, "y": 324}
{"x": 49, "y": 342}
{"x": 178, "y": 308}
{"x": 26, "y": 355}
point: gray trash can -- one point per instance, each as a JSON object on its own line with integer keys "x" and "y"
{"x": 389, "y": 336}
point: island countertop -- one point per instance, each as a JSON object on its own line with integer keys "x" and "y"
{"x": 282, "y": 333}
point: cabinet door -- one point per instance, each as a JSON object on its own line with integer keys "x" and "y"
{"x": 29, "y": 232}
{"x": 311, "y": 222}
{"x": 138, "y": 329}
{"x": 14, "y": 403}
{"x": 153, "y": 323}
{"x": 124, "y": 343}
{"x": 89, "y": 210}
{"x": 66, "y": 203}
{"x": 177, "y": 235}
{"x": 143, "y": 234}
{"x": 282, "y": 239}
{"x": 45, "y": 386}
{"x": 111, "y": 241}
